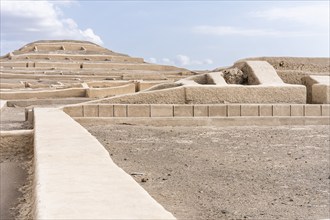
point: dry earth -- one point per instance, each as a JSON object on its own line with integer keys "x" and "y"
{"x": 16, "y": 155}
{"x": 227, "y": 173}
{"x": 16, "y": 183}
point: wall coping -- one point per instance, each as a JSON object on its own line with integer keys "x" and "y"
{"x": 75, "y": 178}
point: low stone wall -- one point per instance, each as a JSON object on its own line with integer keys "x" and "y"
{"x": 259, "y": 72}
{"x": 112, "y": 91}
{"x": 321, "y": 93}
{"x": 129, "y": 66}
{"x": 56, "y": 57}
{"x": 165, "y": 96}
{"x": 199, "y": 121}
{"x": 105, "y": 84}
{"x": 213, "y": 94}
{"x": 3, "y": 103}
{"x": 318, "y": 89}
{"x": 190, "y": 111}
{"x": 59, "y": 101}
{"x": 75, "y": 177}
{"x": 246, "y": 94}
{"x": 11, "y": 86}
{"x": 143, "y": 85}
{"x": 42, "y": 94}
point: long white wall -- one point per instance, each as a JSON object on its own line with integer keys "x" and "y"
{"x": 75, "y": 177}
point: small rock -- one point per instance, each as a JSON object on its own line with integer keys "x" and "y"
{"x": 137, "y": 174}
{"x": 224, "y": 211}
{"x": 143, "y": 180}
{"x": 235, "y": 76}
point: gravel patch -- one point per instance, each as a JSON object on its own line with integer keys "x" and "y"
{"x": 227, "y": 172}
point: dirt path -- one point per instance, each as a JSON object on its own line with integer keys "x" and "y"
{"x": 232, "y": 172}
{"x": 16, "y": 155}
{"x": 13, "y": 177}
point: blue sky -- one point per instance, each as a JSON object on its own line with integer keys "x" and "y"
{"x": 191, "y": 34}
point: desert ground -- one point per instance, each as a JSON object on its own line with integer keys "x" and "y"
{"x": 15, "y": 167}
{"x": 227, "y": 172}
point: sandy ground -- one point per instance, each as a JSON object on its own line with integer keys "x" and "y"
{"x": 16, "y": 187}
{"x": 15, "y": 167}
{"x": 12, "y": 177}
{"x": 227, "y": 173}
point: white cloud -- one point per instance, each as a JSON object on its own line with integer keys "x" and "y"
{"x": 89, "y": 35}
{"x": 208, "y": 61}
{"x": 247, "y": 32}
{"x": 181, "y": 60}
{"x": 316, "y": 14}
{"x": 152, "y": 60}
{"x": 167, "y": 61}
{"x": 40, "y": 20}
{"x": 313, "y": 17}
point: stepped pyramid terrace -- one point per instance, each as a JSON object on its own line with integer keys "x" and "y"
{"x": 65, "y": 69}
{"x": 89, "y": 133}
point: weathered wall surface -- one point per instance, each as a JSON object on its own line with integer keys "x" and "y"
{"x": 318, "y": 89}
{"x": 105, "y": 84}
{"x": 190, "y": 111}
{"x": 211, "y": 94}
{"x": 245, "y": 94}
{"x": 144, "y": 85}
{"x": 292, "y": 69}
{"x": 62, "y": 93}
{"x": 75, "y": 178}
{"x": 215, "y": 78}
{"x": 165, "y": 96}
{"x": 106, "y": 92}
{"x": 259, "y": 72}
{"x": 3, "y": 103}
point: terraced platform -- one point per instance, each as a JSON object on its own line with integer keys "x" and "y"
{"x": 55, "y": 65}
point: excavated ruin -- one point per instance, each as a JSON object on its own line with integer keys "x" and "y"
{"x": 147, "y": 117}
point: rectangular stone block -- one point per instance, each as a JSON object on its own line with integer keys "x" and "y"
{"x": 313, "y": 110}
{"x": 249, "y": 110}
{"x": 265, "y": 110}
{"x": 297, "y": 110}
{"x": 91, "y": 110}
{"x": 161, "y": 110}
{"x": 281, "y": 110}
{"x": 326, "y": 110}
{"x": 183, "y": 111}
{"x": 105, "y": 110}
{"x": 74, "y": 111}
{"x": 119, "y": 110}
{"x": 217, "y": 110}
{"x": 233, "y": 110}
{"x": 138, "y": 111}
{"x": 321, "y": 92}
{"x": 201, "y": 111}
